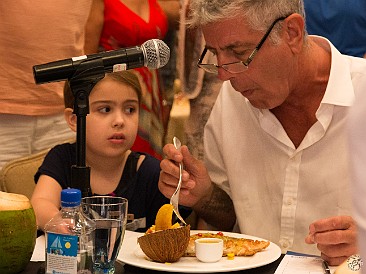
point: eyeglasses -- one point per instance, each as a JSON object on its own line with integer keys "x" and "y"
{"x": 240, "y": 66}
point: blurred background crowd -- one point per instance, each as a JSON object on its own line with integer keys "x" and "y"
{"x": 177, "y": 99}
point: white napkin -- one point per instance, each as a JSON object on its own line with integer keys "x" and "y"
{"x": 39, "y": 252}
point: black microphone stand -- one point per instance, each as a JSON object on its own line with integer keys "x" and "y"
{"x": 86, "y": 76}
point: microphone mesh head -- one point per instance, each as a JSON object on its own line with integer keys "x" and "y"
{"x": 156, "y": 52}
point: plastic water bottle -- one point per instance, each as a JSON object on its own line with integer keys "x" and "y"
{"x": 70, "y": 238}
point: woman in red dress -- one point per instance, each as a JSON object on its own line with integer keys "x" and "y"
{"x": 114, "y": 24}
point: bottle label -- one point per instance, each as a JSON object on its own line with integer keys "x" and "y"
{"x": 61, "y": 252}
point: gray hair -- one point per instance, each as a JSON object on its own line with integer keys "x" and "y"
{"x": 259, "y": 13}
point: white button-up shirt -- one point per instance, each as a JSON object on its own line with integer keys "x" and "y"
{"x": 278, "y": 189}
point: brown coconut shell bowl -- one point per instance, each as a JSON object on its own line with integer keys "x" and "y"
{"x": 165, "y": 246}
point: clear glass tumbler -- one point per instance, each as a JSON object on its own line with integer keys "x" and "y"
{"x": 110, "y": 216}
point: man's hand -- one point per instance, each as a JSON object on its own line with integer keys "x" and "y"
{"x": 209, "y": 201}
{"x": 336, "y": 238}
{"x": 196, "y": 182}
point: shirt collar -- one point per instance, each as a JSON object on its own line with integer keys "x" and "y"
{"x": 339, "y": 90}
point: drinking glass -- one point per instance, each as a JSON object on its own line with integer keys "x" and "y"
{"x": 110, "y": 216}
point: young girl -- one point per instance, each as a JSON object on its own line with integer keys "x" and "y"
{"x": 111, "y": 129}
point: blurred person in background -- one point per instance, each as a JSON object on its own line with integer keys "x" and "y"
{"x": 343, "y": 22}
{"x": 115, "y": 24}
{"x": 200, "y": 87}
{"x": 31, "y": 33}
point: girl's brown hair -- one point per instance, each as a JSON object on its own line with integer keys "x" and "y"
{"x": 126, "y": 77}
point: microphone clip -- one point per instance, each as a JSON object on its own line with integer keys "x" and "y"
{"x": 87, "y": 75}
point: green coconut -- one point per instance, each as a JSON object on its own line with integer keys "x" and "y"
{"x": 18, "y": 232}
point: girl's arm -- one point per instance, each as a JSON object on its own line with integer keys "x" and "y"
{"x": 46, "y": 200}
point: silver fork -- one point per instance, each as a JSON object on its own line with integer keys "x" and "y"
{"x": 174, "y": 200}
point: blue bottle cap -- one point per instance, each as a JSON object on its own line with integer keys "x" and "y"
{"x": 70, "y": 197}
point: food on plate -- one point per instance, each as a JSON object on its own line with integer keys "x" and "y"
{"x": 18, "y": 231}
{"x": 232, "y": 246}
{"x": 165, "y": 242}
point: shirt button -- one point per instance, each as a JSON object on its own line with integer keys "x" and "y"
{"x": 289, "y": 201}
{"x": 284, "y": 243}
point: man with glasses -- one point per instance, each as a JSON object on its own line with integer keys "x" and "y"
{"x": 276, "y": 152}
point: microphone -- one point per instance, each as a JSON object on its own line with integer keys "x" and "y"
{"x": 153, "y": 54}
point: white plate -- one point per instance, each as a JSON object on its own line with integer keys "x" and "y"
{"x": 131, "y": 253}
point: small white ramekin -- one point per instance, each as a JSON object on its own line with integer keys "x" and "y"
{"x": 209, "y": 250}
